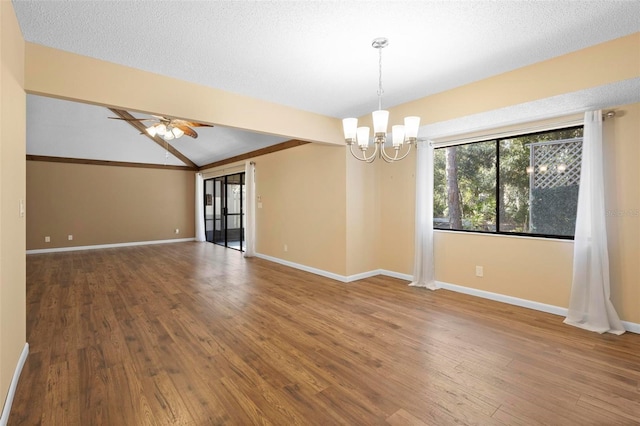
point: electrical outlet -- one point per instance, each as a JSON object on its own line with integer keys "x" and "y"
{"x": 177, "y": 231}
{"x": 286, "y": 248}
{"x": 70, "y": 237}
{"x": 47, "y": 239}
{"x": 479, "y": 271}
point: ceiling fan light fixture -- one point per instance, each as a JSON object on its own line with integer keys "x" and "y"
{"x": 151, "y": 131}
{"x": 161, "y": 129}
{"x": 168, "y": 136}
{"x": 177, "y": 132}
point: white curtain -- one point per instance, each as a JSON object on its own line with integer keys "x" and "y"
{"x": 590, "y": 306}
{"x": 423, "y": 267}
{"x": 250, "y": 209}
{"x": 199, "y": 208}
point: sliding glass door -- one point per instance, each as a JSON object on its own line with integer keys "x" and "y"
{"x": 224, "y": 210}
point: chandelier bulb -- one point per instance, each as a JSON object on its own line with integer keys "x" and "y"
{"x": 350, "y": 128}
{"x": 363, "y": 137}
{"x": 398, "y": 132}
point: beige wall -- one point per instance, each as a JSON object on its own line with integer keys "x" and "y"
{"x": 12, "y": 190}
{"x": 397, "y": 215}
{"x": 362, "y": 215}
{"x": 622, "y": 201}
{"x": 303, "y": 198}
{"x": 106, "y": 204}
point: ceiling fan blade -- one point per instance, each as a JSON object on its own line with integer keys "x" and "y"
{"x": 192, "y": 124}
{"x": 179, "y": 122}
{"x": 187, "y": 130}
{"x": 131, "y": 119}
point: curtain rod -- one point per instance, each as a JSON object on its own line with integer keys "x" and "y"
{"x": 530, "y": 129}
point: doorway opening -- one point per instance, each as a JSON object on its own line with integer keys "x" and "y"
{"x": 224, "y": 216}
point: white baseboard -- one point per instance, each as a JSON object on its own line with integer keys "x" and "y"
{"x": 360, "y": 276}
{"x": 398, "y": 275}
{"x": 537, "y": 306}
{"x": 631, "y": 326}
{"x": 375, "y": 272}
{"x": 556, "y": 310}
{"x": 8, "y": 402}
{"x": 103, "y": 246}
{"x": 305, "y": 268}
{"x": 334, "y": 276}
{"x": 511, "y": 300}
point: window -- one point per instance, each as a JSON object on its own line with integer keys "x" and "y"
{"x": 520, "y": 185}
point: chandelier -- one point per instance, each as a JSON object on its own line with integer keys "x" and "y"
{"x": 401, "y": 134}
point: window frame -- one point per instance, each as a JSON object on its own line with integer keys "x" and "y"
{"x": 496, "y": 140}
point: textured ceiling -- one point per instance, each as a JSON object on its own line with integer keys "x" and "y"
{"x": 317, "y": 55}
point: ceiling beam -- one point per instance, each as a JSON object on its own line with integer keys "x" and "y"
{"x": 268, "y": 150}
{"x": 164, "y": 144}
{"x": 105, "y": 163}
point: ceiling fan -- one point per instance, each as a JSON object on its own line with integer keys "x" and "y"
{"x": 168, "y": 128}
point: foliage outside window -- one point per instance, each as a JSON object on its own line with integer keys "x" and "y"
{"x": 522, "y": 185}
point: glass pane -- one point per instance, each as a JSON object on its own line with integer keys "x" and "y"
{"x": 234, "y": 197}
{"x": 234, "y": 231}
{"x": 208, "y": 209}
{"x": 539, "y": 182}
{"x": 464, "y": 187}
{"x": 514, "y": 186}
{"x": 218, "y": 235}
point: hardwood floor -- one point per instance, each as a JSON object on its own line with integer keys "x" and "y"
{"x": 193, "y": 334}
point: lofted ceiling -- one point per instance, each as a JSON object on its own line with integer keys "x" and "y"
{"x": 310, "y": 55}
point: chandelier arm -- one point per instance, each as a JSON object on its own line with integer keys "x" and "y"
{"x": 386, "y": 157}
{"x": 405, "y": 154}
{"x": 364, "y": 156}
{"x": 374, "y": 155}
{"x": 390, "y": 159}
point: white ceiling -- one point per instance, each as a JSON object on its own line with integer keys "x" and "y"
{"x": 311, "y": 55}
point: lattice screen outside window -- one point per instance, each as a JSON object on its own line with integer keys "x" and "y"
{"x": 555, "y": 163}
{"x": 554, "y": 181}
